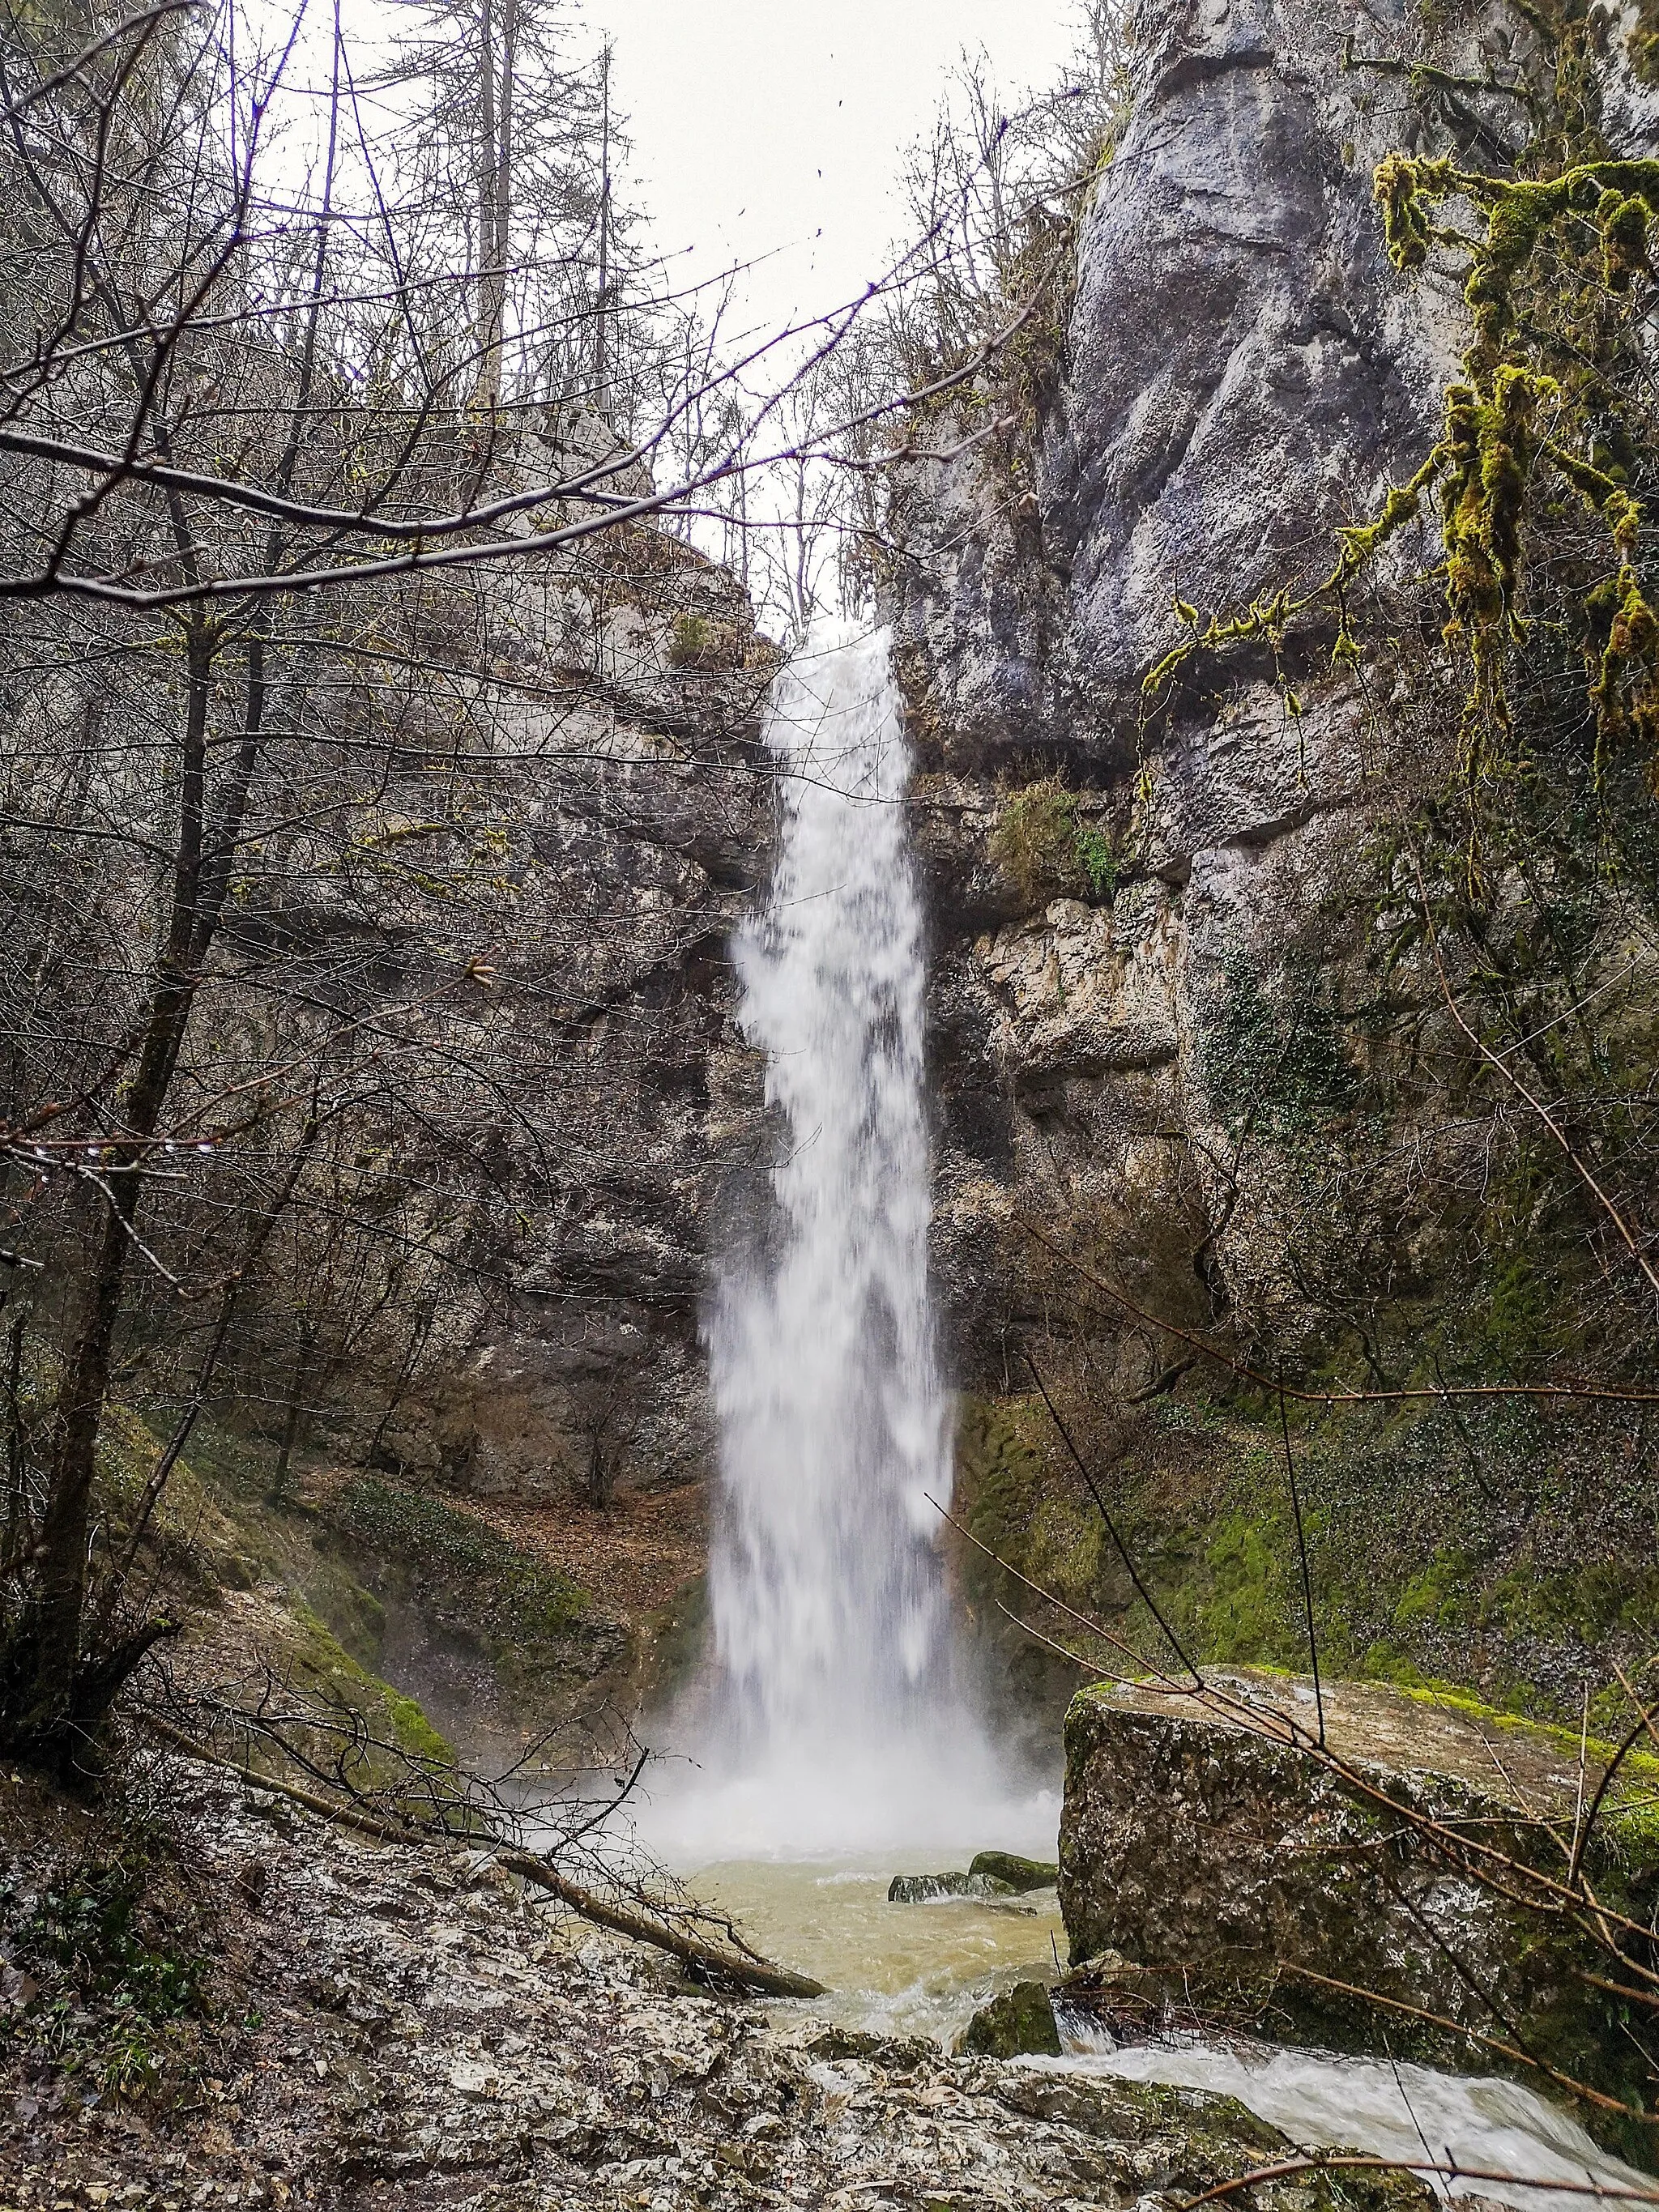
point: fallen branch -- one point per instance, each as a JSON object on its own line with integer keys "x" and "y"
{"x": 757, "y": 1975}
{"x": 1348, "y": 2162}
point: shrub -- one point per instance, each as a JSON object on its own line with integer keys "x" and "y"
{"x": 1045, "y": 849}
{"x": 695, "y": 641}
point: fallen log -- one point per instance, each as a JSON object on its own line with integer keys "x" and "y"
{"x": 719, "y": 1960}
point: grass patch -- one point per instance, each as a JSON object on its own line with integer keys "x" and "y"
{"x": 1048, "y": 849}
{"x": 534, "y": 1625}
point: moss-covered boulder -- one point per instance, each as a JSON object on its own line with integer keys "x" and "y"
{"x": 1206, "y": 1867}
{"x": 1017, "y": 2021}
{"x": 1014, "y": 1873}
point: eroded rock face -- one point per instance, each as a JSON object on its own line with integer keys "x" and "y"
{"x": 1244, "y": 372}
{"x": 1206, "y": 1867}
{"x": 625, "y": 833}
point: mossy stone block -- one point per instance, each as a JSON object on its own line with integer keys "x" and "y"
{"x": 1019, "y": 1873}
{"x": 1019, "y": 2021}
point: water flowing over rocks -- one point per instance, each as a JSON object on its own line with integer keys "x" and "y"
{"x": 1230, "y": 1880}
{"x": 417, "y": 2031}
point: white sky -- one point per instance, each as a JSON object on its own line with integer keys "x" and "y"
{"x": 766, "y": 123}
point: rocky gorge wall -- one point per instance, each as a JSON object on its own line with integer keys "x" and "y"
{"x": 1168, "y": 1028}
{"x": 628, "y": 829}
{"x": 1244, "y": 370}
{"x": 1171, "y": 1031}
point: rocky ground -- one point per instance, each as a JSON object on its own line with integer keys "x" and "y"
{"x": 283, "y": 2013}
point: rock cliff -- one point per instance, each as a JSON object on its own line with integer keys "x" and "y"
{"x": 1241, "y": 373}
{"x": 627, "y": 825}
{"x": 1186, "y": 1022}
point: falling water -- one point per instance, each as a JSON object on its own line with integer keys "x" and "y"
{"x": 837, "y": 1720}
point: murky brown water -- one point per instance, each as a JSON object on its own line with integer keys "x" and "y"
{"x": 889, "y": 1969}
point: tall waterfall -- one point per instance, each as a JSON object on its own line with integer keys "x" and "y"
{"x": 828, "y": 1613}
{"x": 834, "y": 1710}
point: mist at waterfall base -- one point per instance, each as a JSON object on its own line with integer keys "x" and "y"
{"x": 835, "y": 1722}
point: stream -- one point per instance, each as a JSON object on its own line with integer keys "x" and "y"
{"x": 909, "y": 1969}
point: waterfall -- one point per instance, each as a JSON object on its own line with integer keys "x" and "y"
{"x": 829, "y": 1615}
{"x": 835, "y": 1720}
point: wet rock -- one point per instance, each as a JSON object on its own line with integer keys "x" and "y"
{"x": 895, "y": 2052}
{"x": 1215, "y": 1879}
{"x": 530, "y": 2064}
{"x": 1013, "y": 1872}
{"x": 1017, "y": 2021}
{"x": 926, "y": 1888}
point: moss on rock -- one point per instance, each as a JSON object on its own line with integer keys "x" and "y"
{"x": 1017, "y": 2020}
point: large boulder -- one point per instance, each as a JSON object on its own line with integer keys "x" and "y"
{"x": 1238, "y": 1881}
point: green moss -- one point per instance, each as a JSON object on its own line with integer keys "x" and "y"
{"x": 1437, "y": 1594}
{"x": 1242, "y": 1613}
{"x": 510, "y": 1594}
{"x": 1587, "y": 1603}
{"x": 1035, "y": 842}
{"x": 1277, "y": 1051}
{"x": 1047, "y": 849}
{"x": 322, "y": 1664}
{"x": 1000, "y": 1456}
{"x": 1643, "y": 46}
{"x": 1416, "y": 1580}
{"x": 699, "y": 642}
{"x": 1017, "y": 2020}
{"x": 1098, "y": 862}
{"x": 414, "y": 1732}
{"x": 533, "y": 1626}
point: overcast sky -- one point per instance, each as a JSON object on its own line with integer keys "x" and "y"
{"x": 759, "y": 124}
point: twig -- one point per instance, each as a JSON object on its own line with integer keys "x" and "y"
{"x": 713, "y": 1959}
{"x": 1487, "y": 2042}
{"x": 1351, "y": 2162}
{"x": 1301, "y": 1550}
{"x": 1537, "y": 1105}
{"x": 1123, "y": 1552}
{"x": 1600, "y": 1391}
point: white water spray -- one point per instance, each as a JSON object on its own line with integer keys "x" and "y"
{"x": 827, "y": 1608}
{"x": 837, "y": 1724}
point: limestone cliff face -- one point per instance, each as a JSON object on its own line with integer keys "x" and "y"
{"x": 626, "y": 829}
{"x": 1244, "y": 372}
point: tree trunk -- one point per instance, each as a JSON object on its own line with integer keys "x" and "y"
{"x": 60, "y": 1599}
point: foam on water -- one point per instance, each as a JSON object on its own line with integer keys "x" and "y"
{"x": 1474, "y": 2122}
